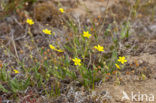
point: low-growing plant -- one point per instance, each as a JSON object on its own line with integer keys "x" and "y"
{"x": 83, "y": 58}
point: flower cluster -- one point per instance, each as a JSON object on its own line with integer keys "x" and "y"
{"x": 86, "y": 34}
{"x": 122, "y": 60}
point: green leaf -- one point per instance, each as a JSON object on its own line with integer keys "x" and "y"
{"x": 3, "y": 89}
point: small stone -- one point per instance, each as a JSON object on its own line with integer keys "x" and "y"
{"x": 153, "y": 28}
{"x": 103, "y": 93}
{"x": 93, "y": 93}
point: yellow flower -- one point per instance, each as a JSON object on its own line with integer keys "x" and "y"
{"x": 52, "y": 47}
{"x": 77, "y": 61}
{"x": 46, "y": 31}
{"x": 61, "y": 10}
{"x": 122, "y": 60}
{"x": 16, "y": 71}
{"x": 117, "y": 66}
{"x": 30, "y": 21}
{"x": 31, "y": 56}
{"x": 99, "y": 48}
{"x": 59, "y": 50}
{"x": 86, "y": 34}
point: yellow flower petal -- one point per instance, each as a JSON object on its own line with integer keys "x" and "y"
{"x": 122, "y": 60}
{"x": 16, "y": 71}
{"x": 30, "y": 21}
{"x": 77, "y": 61}
{"x": 86, "y": 34}
{"x": 59, "y": 50}
{"x": 46, "y": 31}
{"x": 52, "y": 47}
{"x": 99, "y": 48}
{"x": 117, "y": 66}
{"x": 61, "y": 10}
